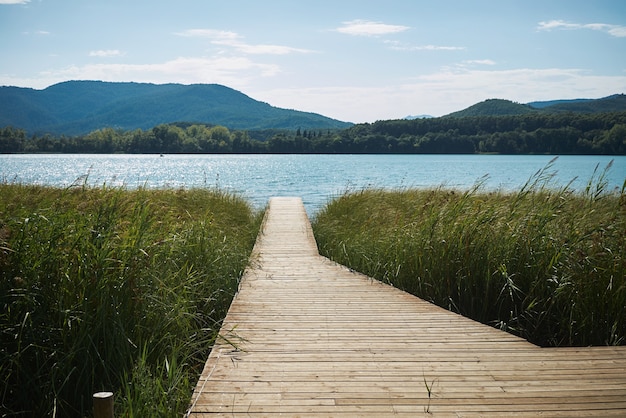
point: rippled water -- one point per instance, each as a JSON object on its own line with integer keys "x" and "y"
{"x": 316, "y": 178}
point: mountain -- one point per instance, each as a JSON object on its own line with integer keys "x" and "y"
{"x": 542, "y": 105}
{"x": 614, "y": 103}
{"x": 493, "y": 107}
{"x": 413, "y": 117}
{"x": 78, "y": 107}
{"x": 500, "y": 107}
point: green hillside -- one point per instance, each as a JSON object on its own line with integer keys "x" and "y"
{"x": 78, "y": 107}
{"x": 500, "y": 107}
{"x": 615, "y": 103}
{"x": 493, "y": 107}
{"x": 547, "y": 103}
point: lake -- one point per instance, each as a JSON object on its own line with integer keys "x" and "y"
{"x": 315, "y": 178}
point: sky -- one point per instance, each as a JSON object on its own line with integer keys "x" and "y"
{"x": 352, "y": 60}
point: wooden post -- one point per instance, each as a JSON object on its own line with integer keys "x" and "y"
{"x": 103, "y": 405}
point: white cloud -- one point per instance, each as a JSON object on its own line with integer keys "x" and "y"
{"x": 37, "y": 32}
{"x": 236, "y": 72}
{"x": 234, "y": 40}
{"x": 106, "y": 53}
{"x": 209, "y": 33}
{"x": 613, "y": 30}
{"x": 14, "y": 1}
{"x": 398, "y": 46}
{"x": 617, "y": 31}
{"x": 443, "y": 92}
{"x": 521, "y": 85}
{"x": 479, "y": 62}
{"x": 263, "y": 49}
{"x": 369, "y": 28}
{"x": 557, "y": 24}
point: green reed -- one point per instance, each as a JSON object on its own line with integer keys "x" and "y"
{"x": 113, "y": 289}
{"x": 546, "y": 264}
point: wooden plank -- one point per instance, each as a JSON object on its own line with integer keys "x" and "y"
{"x": 307, "y": 337}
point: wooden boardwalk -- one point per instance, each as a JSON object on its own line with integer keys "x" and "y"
{"x": 307, "y": 337}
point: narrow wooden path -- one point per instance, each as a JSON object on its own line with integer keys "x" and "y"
{"x": 307, "y": 337}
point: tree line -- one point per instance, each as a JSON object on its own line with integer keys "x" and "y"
{"x": 535, "y": 133}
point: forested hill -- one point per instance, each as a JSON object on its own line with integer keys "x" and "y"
{"x": 500, "y": 107}
{"x": 493, "y": 107}
{"x": 531, "y": 133}
{"x": 615, "y": 103}
{"x": 528, "y": 133}
{"x": 79, "y": 107}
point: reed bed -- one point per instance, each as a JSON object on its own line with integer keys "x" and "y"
{"x": 547, "y": 264}
{"x": 113, "y": 289}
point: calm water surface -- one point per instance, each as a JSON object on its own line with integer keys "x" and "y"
{"x": 316, "y": 178}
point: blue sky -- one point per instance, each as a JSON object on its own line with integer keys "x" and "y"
{"x": 353, "y": 60}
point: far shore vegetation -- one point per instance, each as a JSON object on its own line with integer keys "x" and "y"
{"x": 546, "y": 264}
{"x": 528, "y": 133}
{"x": 108, "y": 289}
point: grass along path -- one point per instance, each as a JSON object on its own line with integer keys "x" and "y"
{"x": 547, "y": 265}
{"x": 113, "y": 289}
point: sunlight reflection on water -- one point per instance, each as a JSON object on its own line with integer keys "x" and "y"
{"x": 316, "y": 178}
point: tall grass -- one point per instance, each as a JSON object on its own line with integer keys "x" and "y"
{"x": 113, "y": 289}
{"x": 546, "y": 264}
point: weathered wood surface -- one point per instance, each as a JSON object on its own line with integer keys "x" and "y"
{"x": 307, "y": 337}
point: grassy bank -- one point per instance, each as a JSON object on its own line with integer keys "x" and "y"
{"x": 548, "y": 265}
{"x": 113, "y": 289}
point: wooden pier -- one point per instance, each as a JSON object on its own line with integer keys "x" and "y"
{"x": 307, "y": 337}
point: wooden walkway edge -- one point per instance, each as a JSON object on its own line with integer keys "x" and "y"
{"x": 307, "y": 337}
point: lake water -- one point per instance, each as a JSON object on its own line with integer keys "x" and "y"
{"x": 315, "y": 178}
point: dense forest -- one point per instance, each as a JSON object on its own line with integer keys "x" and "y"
{"x": 532, "y": 133}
